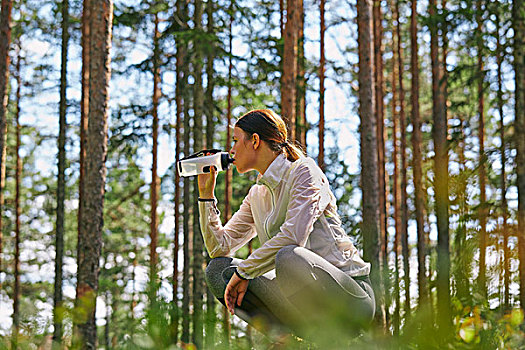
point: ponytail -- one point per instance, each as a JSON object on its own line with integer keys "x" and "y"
{"x": 292, "y": 151}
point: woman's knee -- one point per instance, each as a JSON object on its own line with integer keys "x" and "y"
{"x": 214, "y": 275}
{"x": 285, "y": 254}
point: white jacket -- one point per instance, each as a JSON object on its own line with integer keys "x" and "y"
{"x": 291, "y": 204}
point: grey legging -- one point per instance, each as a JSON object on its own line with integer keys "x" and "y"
{"x": 305, "y": 294}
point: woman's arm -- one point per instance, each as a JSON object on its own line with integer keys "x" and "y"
{"x": 225, "y": 240}
{"x": 219, "y": 240}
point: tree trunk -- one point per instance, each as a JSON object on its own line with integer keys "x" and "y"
{"x": 417, "y": 159}
{"x": 226, "y": 326}
{"x": 481, "y": 169}
{"x": 518, "y": 23}
{"x": 179, "y": 87}
{"x": 84, "y": 104}
{"x": 90, "y": 228}
{"x": 154, "y": 187}
{"x": 396, "y": 191}
{"x": 107, "y": 342}
{"x": 320, "y": 157}
{"x": 504, "y": 210}
{"x": 198, "y": 245}
{"x": 370, "y": 224}
{"x": 5, "y": 40}
{"x": 403, "y": 188}
{"x": 379, "y": 103}
{"x": 462, "y": 281}
{"x": 187, "y": 228}
{"x": 61, "y": 185}
{"x": 210, "y": 134}
{"x": 18, "y": 210}
{"x": 300, "y": 125}
{"x": 439, "y": 132}
{"x": 288, "y": 90}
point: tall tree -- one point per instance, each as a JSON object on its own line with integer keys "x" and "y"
{"x": 198, "y": 245}
{"x": 90, "y": 238}
{"x": 503, "y": 183}
{"x": 228, "y": 190}
{"x": 154, "y": 187}
{"x": 84, "y": 109}
{"x": 5, "y": 40}
{"x": 439, "y": 134}
{"x": 210, "y": 134}
{"x": 403, "y": 151}
{"x": 187, "y": 229}
{"x": 379, "y": 103}
{"x": 18, "y": 209}
{"x": 301, "y": 124}
{"x": 289, "y": 67}
{"x": 481, "y": 140}
{"x": 417, "y": 159}
{"x": 396, "y": 319}
{"x": 518, "y": 23}
{"x": 61, "y": 185}
{"x": 320, "y": 157}
{"x": 178, "y": 125}
{"x": 370, "y": 228}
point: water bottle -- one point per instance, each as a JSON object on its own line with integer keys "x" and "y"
{"x": 198, "y": 163}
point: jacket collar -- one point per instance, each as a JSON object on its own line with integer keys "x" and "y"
{"x": 275, "y": 172}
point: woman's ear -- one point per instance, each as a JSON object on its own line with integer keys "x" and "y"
{"x": 256, "y": 140}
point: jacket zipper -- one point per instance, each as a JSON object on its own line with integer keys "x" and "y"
{"x": 271, "y": 213}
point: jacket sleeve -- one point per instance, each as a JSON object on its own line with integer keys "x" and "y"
{"x": 309, "y": 196}
{"x": 225, "y": 240}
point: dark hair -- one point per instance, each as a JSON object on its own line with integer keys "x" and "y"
{"x": 271, "y": 128}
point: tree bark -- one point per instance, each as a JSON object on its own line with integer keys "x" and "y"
{"x": 370, "y": 224}
{"x": 396, "y": 320}
{"x": 90, "y": 228}
{"x": 518, "y": 23}
{"x": 379, "y": 103}
{"x": 154, "y": 186}
{"x": 289, "y": 73}
{"x": 481, "y": 168}
{"x": 403, "y": 188}
{"x": 504, "y": 206}
{"x": 439, "y": 133}
{"x": 61, "y": 184}
{"x": 18, "y": 210}
{"x": 417, "y": 159}
{"x": 301, "y": 124}
{"x": 226, "y": 326}
{"x": 320, "y": 157}
{"x": 198, "y": 245}
{"x": 210, "y": 134}
{"x": 5, "y": 40}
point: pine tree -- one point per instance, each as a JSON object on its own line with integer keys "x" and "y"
{"x": 90, "y": 238}
{"x": 18, "y": 211}
{"x": 61, "y": 185}
{"x": 289, "y": 67}
{"x": 320, "y": 157}
{"x": 5, "y": 41}
{"x": 518, "y": 23}
{"x": 370, "y": 228}
{"x": 440, "y": 175}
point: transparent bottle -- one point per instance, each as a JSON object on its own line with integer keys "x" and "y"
{"x": 199, "y": 163}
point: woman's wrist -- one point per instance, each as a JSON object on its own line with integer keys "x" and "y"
{"x": 239, "y": 275}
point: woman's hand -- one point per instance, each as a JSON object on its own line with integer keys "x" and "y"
{"x": 235, "y": 291}
{"x": 207, "y": 183}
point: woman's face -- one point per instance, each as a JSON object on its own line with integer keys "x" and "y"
{"x": 242, "y": 151}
